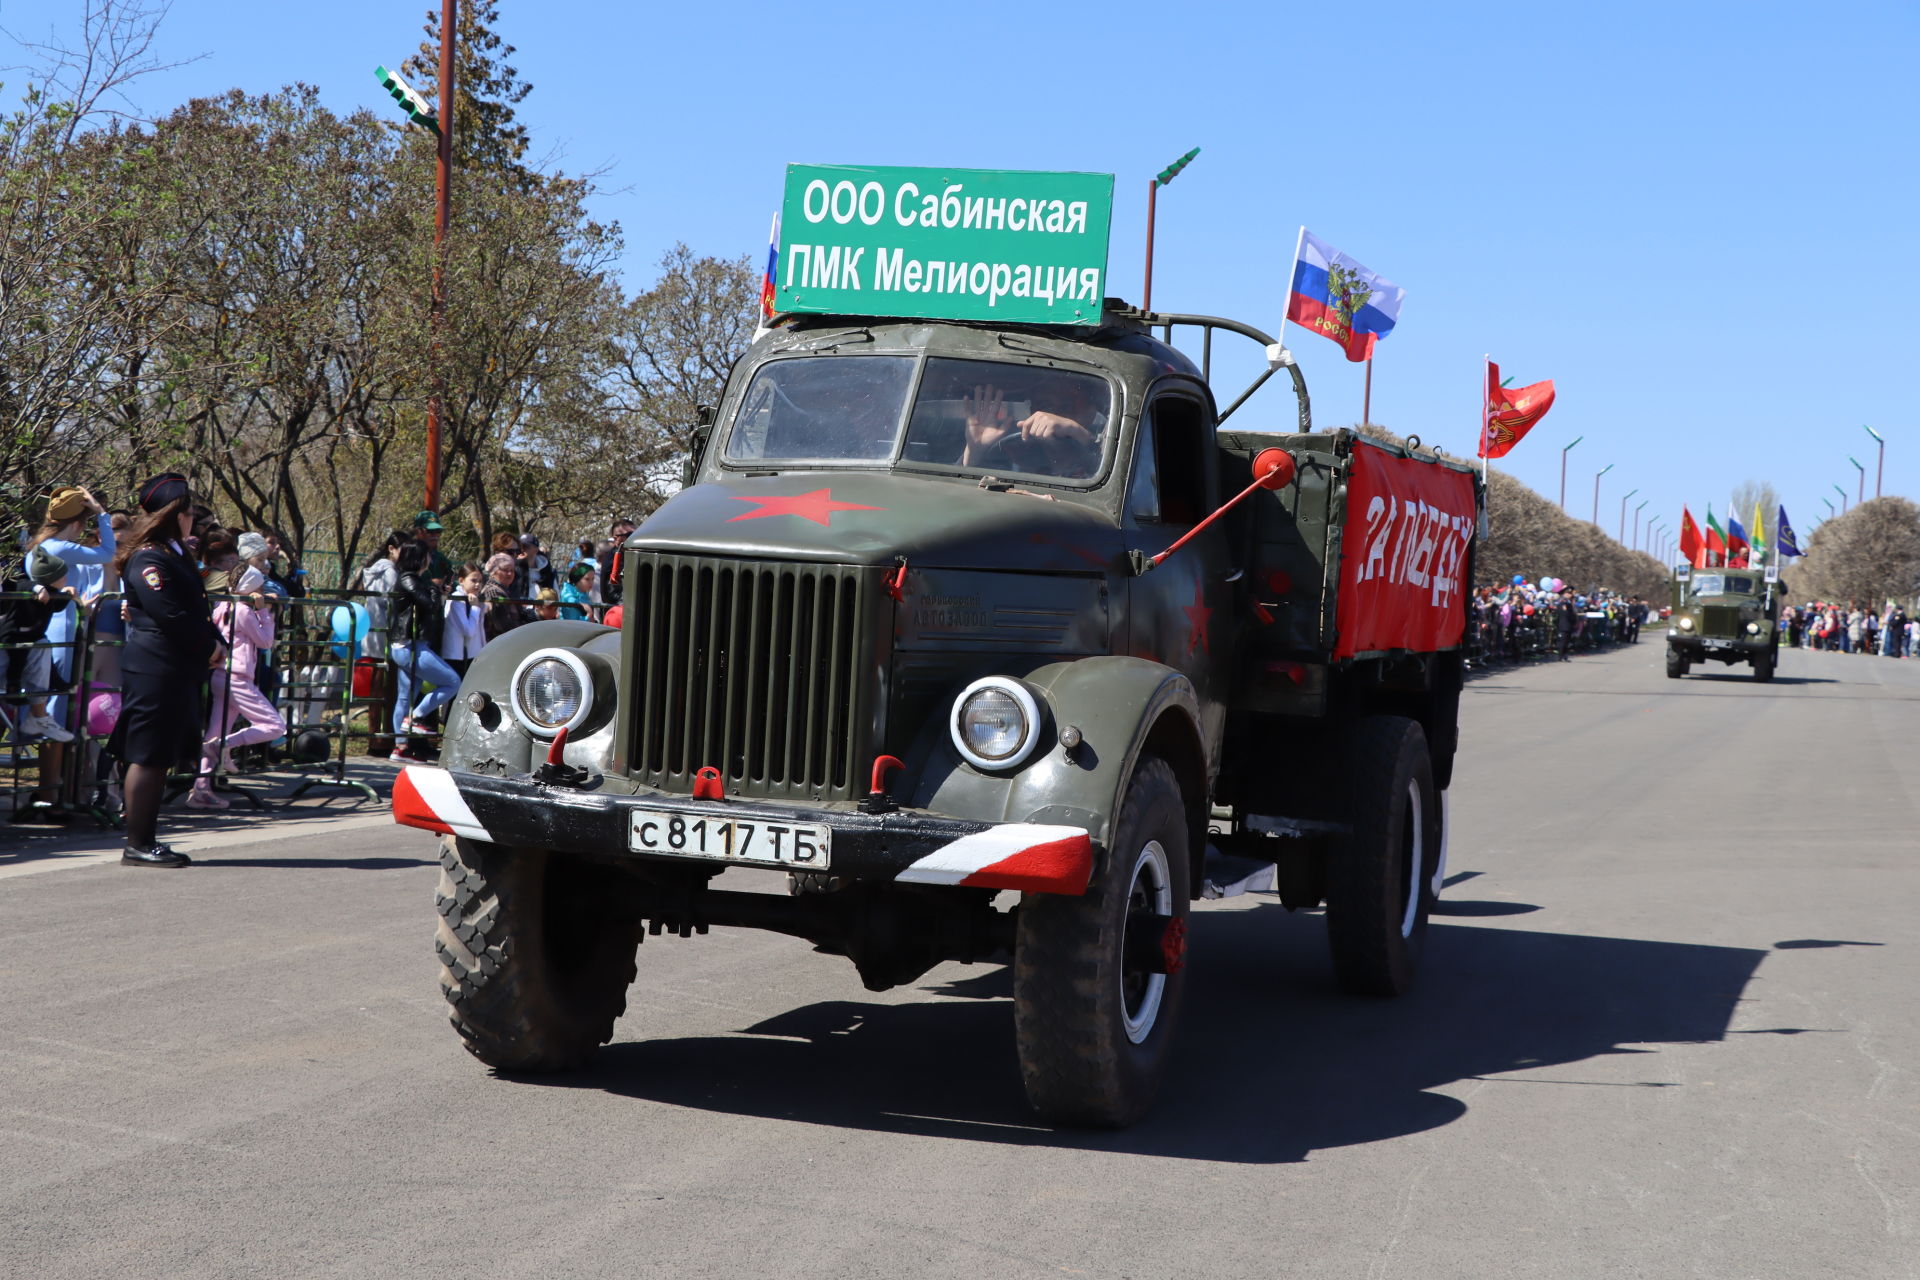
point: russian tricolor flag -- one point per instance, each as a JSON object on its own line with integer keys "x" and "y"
{"x": 773, "y": 270}
{"x": 1338, "y": 298}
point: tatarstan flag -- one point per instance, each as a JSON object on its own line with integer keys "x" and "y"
{"x": 1716, "y": 541}
{"x": 1692, "y": 546}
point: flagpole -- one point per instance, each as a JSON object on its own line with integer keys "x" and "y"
{"x": 1366, "y": 398}
{"x": 1485, "y": 371}
{"x": 1299, "y": 243}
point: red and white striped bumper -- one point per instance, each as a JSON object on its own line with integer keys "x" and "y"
{"x": 912, "y": 848}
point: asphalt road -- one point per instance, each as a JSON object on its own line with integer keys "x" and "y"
{"x": 1667, "y": 1028}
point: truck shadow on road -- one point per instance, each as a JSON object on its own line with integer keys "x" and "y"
{"x": 1273, "y": 1062}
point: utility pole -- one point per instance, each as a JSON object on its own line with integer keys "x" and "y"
{"x": 1160, "y": 180}
{"x": 1563, "y": 471}
{"x": 1623, "y": 514}
{"x": 442, "y": 216}
{"x": 1880, "y": 471}
{"x": 440, "y": 124}
{"x": 1596, "y": 493}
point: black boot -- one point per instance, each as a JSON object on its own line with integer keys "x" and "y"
{"x": 159, "y": 855}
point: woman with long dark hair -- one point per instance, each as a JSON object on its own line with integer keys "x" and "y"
{"x": 171, "y": 644}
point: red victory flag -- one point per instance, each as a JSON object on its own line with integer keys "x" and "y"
{"x": 1510, "y": 413}
{"x": 1692, "y": 545}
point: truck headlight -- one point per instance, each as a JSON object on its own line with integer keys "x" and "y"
{"x": 995, "y": 723}
{"x": 1753, "y": 628}
{"x": 552, "y": 690}
{"x": 1686, "y": 624}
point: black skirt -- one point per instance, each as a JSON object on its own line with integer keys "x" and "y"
{"x": 161, "y": 721}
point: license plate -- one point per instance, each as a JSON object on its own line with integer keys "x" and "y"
{"x": 803, "y": 846}
{"x": 1719, "y": 644}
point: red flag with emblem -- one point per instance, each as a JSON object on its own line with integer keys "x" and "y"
{"x": 1510, "y": 413}
{"x": 1692, "y": 545}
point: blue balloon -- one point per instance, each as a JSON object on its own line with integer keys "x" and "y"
{"x": 350, "y": 627}
{"x": 1519, "y": 579}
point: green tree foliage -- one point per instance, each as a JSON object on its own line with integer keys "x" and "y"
{"x": 242, "y": 288}
{"x": 485, "y": 88}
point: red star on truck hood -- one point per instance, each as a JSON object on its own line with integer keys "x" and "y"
{"x": 1197, "y": 616}
{"x": 817, "y": 506}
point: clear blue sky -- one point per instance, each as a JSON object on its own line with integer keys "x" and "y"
{"x": 1697, "y": 219}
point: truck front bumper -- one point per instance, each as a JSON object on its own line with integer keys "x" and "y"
{"x": 1696, "y": 648}
{"x": 910, "y": 847}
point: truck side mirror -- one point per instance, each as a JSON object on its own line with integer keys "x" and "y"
{"x": 697, "y": 438}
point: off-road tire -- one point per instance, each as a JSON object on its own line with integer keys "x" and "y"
{"x": 1676, "y": 664}
{"x": 1763, "y": 667}
{"x": 1071, "y": 1003}
{"x": 534, "y": 975}
{"x": 1380, "y": 873}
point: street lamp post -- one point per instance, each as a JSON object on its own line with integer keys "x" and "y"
{"x": 1596, "y": 493}
{"x": 1843, "y": 498}
{"x": 1623, "y": 514}
{"x": 1636, "y": 521}
{"x": 1880, "y": 469}
{"x": 1861, "y": 467}
{"x": 1829, "y": 502}
{"x": 1563, "y": 471}
{"x": 1160, "y": 180}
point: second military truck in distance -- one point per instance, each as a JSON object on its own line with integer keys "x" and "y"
{"x": 1724, "y": 615}
{"x": 1004, "y": 649}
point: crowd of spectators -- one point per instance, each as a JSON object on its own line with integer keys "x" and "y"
{"x": 427, "y": 618}
{"x": 431, "y": 618}
{"x": 1548, "y": 619}
{"x": 1849, "y": 628}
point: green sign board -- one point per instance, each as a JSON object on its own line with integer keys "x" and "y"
{"x": 949, "y": 244}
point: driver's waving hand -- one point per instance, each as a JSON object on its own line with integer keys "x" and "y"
{"x": 1064, "y": 443}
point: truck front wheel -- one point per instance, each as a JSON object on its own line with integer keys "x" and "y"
{"x": 534, "y": 967}
{"x": 1763, "y": 666}
{"x": 1380, "y": 876}
{"x": 1093, "y": 1006}
{"x": 1676, "y": 664}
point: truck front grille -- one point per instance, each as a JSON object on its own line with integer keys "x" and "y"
{"x": 765, "y": 670}
{"x": 1721, "y": 620}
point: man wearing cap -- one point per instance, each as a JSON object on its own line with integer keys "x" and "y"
{"x": 171, "y": 644}
{"x": 426, "y": 528}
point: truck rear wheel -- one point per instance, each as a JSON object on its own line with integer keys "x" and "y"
{"x": 533, "y": 968}
{"x": 1379, "y": 877}
{"x": 1093, "y": 1012}
{"x": 1676, "y": 664}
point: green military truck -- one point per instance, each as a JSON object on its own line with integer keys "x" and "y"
{"x": 1724, "y": 615}
{"x": 997, "y": 642}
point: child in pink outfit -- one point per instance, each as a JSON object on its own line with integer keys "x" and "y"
{"x": 247, "y": 626}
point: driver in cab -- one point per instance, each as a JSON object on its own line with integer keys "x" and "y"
{"x": 1062, "y": 439}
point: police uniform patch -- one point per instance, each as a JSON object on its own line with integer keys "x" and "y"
{"x": 151, "y": 576}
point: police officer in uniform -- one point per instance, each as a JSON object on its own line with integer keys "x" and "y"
{"x": 171, "y": 644}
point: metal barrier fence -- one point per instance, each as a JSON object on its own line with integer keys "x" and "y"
{"x": 329, "y": 664}
{"x": 1535, "y": 636}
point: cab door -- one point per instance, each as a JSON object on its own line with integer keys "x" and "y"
{"x": 1178, "y": 611}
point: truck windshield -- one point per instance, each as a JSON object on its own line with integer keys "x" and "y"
{"x": 975, "y": 415}
{"x": 1720, "y": 584}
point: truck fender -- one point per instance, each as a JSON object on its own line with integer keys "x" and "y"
{"x": 1122, "y": 707}
{"x": 491, "y": 740}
